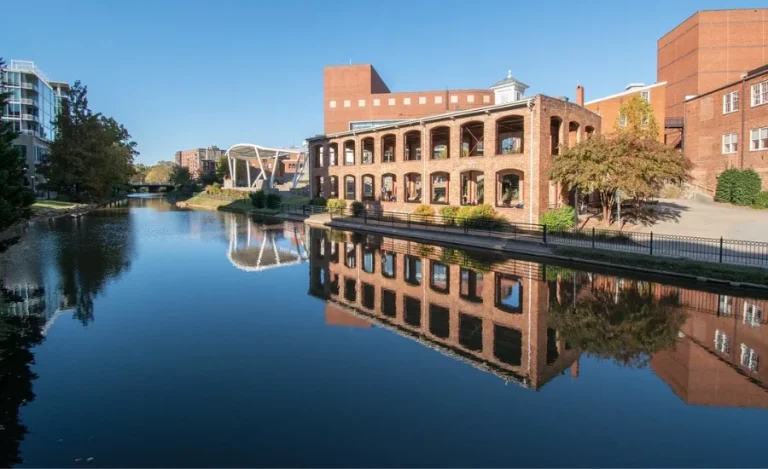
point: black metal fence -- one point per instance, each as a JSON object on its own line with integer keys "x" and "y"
{"x": 719, "y": 250}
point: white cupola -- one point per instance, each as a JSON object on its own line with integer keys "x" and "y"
{"x": 508, "y": 90}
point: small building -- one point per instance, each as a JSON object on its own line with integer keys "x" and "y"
{"x": 727, "y": 127}
{"x": 608, "y": 107}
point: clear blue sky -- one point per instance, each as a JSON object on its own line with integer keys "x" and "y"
{"x": 184, "y": 74}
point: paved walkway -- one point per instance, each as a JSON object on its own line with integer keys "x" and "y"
{"x": 684, "y": 217}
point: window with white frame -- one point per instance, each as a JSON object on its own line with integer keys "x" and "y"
{"x": 760, "y": 93}
{"x": 729, "y": 143}
{"x": 622, "y": 120}
{"x": 758, "y": 139}
{"x": 646, "y": 95}
{"x": 722, "y": 342}
{"x": 724, "y": 305}
{"x": 730, "y": 102}
{"x": 753, "y": 314}
{"x": 748, "y": 357}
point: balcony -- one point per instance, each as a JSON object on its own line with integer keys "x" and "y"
{"x": 28, "y": 102}
{"x": 29, "y": 117}
{"x": 29, "y": 86}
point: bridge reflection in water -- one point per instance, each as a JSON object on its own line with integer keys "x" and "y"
{"x": 255, "y": 246}
{"x": 529, "y": 323}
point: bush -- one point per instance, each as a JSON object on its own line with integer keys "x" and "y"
{"x": 425, "y": 210}
{"x": 670, "y": 191}
{"x": 725, "y": 184}
{"x": 336, "y": 205}
{"x": 480, "y": 216}
{"x": 273, "y": 201}
{"x": 761, "y": 201}
{"x": 258, "y": 199}
{"x": 319, "y": 201}
{"x": 357, "y": 208}
{"x": 747, "y": 188}
{"x": 558, "y": 219}
{"x": 450, "y": 213}
{"x": 214, "y": 189}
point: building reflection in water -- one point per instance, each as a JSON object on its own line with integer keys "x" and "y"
{"x": 255, "y": 246}
{"x": 528, "y": 323}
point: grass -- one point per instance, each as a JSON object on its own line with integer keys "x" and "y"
{"x": 241, "y": 206}
{"x": 52, "y": 205}
{"x": 727, "y": 272}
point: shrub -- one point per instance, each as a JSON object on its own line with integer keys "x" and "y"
{"x": 670, "y": 191}
{"x": 480, "y": 216}
{"x": 558, "y": 219}
{"x": 319, "y": 201}
{"x": 450, "y": 214}
{"x": 425, "y": 210}
{"x": 761, "y": 201}
{"x": 357, "y": 208}
{"x": 258, "y": 199}
{"x": 336, "y": 205}
{"x": 273, "y": 201}
{"x": 747, "y": 188}
{"x": 726, "y": 181}
{"x": 483, "y": 212}
{"x": 214, "y": 189}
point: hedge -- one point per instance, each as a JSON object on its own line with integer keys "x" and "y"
{"x": 738, "y": 186}
{"x": 559, "y": 218}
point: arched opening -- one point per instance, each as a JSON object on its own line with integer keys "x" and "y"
{"x": 412, "y": 146}
{"x": 574, "y": 136}
{"x": 349, "y": 152}
{"x": 368, "y": 188}
{"x": 317, "y": 190}
{"x": 510, "y": 132}
{"x": 589, "y": 130}
{"x": 349, "y": 187}
{"x": 317, "y": 155}
{"x": 388, "y": 143}
{"x": 334, "y": 189}
{"x": 441, "y": 143}
{"x": 508, "y": 188}
{"x": 555, "y": 123}
{"x": 412, "y": 187}
{"x": 440, "y": 182}
{"x": 388, "y": 188}
{"x": 472, "y": 188}
{"x": 472, "y": 139}
{"x": 367, "y": 146}
{"x": 333, "y": 150}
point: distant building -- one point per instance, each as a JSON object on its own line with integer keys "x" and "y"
{"x": 200, "y": 161}
{"x": 609, "y": 106}
{"x": 33, "y": 106}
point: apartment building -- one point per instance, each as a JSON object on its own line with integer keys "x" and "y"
{"x": 34, "y": 103}
{"x": 727, "y": 127}
{"x": 199, "y": 160}
{"x": 498, "y": 154}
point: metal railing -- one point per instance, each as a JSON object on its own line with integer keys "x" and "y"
{"x": 718, "y": 250}
{"x": 303, "y": 209}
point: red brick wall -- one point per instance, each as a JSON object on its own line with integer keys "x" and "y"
{"x": 608, "y": 109}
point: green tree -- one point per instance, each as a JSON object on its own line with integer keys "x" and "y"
{"x": 15, "y": 198}
{"x": 92, "y": 153}
{"x": 160, "y": 173}
{"x": 180, "y": 175}
{"x": 222, "y": 168}
{"x": 637, "y": 115}
{"x": 139, "y": 173}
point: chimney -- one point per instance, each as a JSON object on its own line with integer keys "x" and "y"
{"x": 580, "y": 95}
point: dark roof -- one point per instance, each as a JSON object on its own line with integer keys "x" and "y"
{"x": 508, "y": 80}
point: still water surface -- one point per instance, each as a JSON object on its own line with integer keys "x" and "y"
{"x": 148, "y": 336}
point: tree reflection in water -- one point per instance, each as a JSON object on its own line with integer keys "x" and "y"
{"x": 623, "y": 322}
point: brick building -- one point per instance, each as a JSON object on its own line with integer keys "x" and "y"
{"x": 709, "y": 50}
{"x": 608, "y": 107}
{"x": 199, "y": 160}
{"x": 498, "y": 154}
{"x": 727, "y": 127}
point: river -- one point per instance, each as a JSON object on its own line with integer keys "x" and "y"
{"x": 150, "y": 336}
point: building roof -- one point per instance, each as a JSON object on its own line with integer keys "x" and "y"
{"x": 623, "y": 93}
{"x": 509, "y": 80}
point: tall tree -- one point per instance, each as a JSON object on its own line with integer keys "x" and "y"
{"x": 139, "y": 172}
{"x": 15, "y": 198}
{"x": 222, "y": 168}
{"x": 160, "y": 173}
{"x": 636, "y": 118}
{"x": 92, "y": 153}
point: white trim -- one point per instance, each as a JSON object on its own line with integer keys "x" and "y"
{"x": 733, "y": 141}
{"x": 625, "y": 93}
{"x": 731, "y": 98}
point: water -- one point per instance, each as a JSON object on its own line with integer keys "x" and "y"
{"x": 146, "y": 336}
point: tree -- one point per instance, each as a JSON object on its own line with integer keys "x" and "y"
{"x": 15, "y": 198}
{"x": 637, "y": 115}
{"x": 222, "y": 168}
{"x": 160, "y": 173}
{"x": 139, "y": 173}
{"x": 180, "y": 176}
{"x": 92, "y": 153}
{"x": 637, "y": 166}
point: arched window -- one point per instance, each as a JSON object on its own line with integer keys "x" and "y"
{"x": 472, "y": 135}
{"x": 412, "y": 188}
{"x": 555, "y": 123}
{"x": 368, "y": 189}
{"x": 589, "y": 130}
{"x": 508, "y": 188}
{"x": 334, "y": 191}
{"x": 388, "y": 144}
{"x": 441, "y": 143}
{"x": 574, "y": 136}
{"x": 412, "y": 146}
{"x": 318, "y": 155}
{"x": 367, "y": 146}
{"x": 510, "y": 132}
{"x": 349, "y": 187}
{"x": 472, "y": 188}
{"x": 440, "y": 185}
{"x": 333, "y": 150}
{"x": 388, "y": 188}
{"x": 349, "y": 152}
